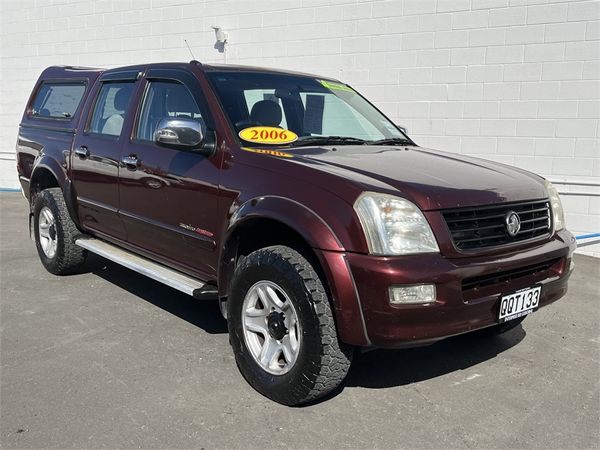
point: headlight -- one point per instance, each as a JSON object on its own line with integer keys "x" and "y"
{"x": 393, "y": 225}
{"x": 558, "y": 215}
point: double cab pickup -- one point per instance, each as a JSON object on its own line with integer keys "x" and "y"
{"x": 318, "y": 225}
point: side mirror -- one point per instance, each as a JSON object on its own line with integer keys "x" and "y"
{"x": 403, "y": 129}
{"x": 183, "y": 134}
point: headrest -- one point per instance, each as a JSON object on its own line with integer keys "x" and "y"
{"x": 266, "y": 112}
{"x": 179, "y": 100}
{"x": 122, "y": 98}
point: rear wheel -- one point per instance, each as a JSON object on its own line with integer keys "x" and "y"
{"x": 55, "y": 234}
{"x": 282, "y": 328}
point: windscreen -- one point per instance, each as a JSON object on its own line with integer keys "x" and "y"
{"x": 310, "y": 107}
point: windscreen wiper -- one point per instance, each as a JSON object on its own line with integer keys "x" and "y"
{"x": 391, "y": 141}
{"x": 328, "y": 140}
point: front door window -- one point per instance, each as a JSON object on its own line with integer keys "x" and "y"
{"x": 166, "y": 99}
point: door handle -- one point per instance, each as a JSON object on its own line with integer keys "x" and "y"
{"x": 82, "y": 152}
{"x": 131, "y": 162}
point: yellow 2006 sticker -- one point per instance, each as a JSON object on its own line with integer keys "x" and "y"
{"x": 268, "y": 152}
{"x": 335, "y": 86}
{"x": 268, "y": 135}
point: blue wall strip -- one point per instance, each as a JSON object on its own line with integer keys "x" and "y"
{"x": 10, "y": 190}
{"x": 587, "y": 236}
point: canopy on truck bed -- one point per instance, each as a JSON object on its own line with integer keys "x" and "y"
{"x": 58, "y": 96}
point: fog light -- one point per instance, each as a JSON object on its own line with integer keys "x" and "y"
{"x": 405, "y": 295}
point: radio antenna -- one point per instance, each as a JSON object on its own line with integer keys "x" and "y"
{"x": 188, "y": 46}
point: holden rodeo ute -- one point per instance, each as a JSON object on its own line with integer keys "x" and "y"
{"x": 313, "y": 219}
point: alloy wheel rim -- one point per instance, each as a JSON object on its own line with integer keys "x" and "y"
{"x": 47, "y": 232}
{"x": 272, "y": 331}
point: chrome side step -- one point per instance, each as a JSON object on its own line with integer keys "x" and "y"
{"x": 151, "y": 269}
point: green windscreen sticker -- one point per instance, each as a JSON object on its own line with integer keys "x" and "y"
{"x": 335, "y": 86}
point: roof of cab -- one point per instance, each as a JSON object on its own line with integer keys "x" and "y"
{"x": 74, "y": 71}
{"x": 240, "y": 68}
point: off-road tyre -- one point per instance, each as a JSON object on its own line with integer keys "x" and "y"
{"x": 68, "y": 257}
{"x": 323, "y": 361}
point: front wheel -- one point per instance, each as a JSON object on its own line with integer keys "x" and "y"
{"x": 282, "y": 329}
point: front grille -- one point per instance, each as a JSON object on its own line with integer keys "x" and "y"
{"x": 508, "y": 275}
{"x": 474, "y": 228}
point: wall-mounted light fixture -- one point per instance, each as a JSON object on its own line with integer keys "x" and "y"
{"x": 221, "y": 35}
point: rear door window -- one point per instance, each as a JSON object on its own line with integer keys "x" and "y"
{"x": 110, "y": 108}
{"x": 57, "y": 100}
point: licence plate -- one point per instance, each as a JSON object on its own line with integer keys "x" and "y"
{"x": 519, "y": 304}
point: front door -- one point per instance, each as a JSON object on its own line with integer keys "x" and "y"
{"x": 168, "y": 196}
{"x": 96, "y": 154}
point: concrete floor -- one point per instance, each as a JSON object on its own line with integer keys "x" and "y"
{"x": 111, "y": 359}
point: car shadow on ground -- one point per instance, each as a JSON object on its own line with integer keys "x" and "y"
{"x": 387, "y": 368}
{"x": 373, "y": 369}
{"x": 204, "y": 314}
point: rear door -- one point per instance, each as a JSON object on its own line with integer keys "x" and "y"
{"x": 96, "y": 153}
{"x": 168, "y": 197}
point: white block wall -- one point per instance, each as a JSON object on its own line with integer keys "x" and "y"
{"x": 515, "y": 81}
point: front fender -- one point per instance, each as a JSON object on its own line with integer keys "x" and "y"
{"x": 304, "y": 221}
{"x": 327, "y": 247}
{"x": 315, "y": 231}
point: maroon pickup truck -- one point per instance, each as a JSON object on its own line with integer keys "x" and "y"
{"x": 315, "y": 221}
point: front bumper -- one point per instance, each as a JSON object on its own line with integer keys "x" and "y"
{"x": 458, "y": 309}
